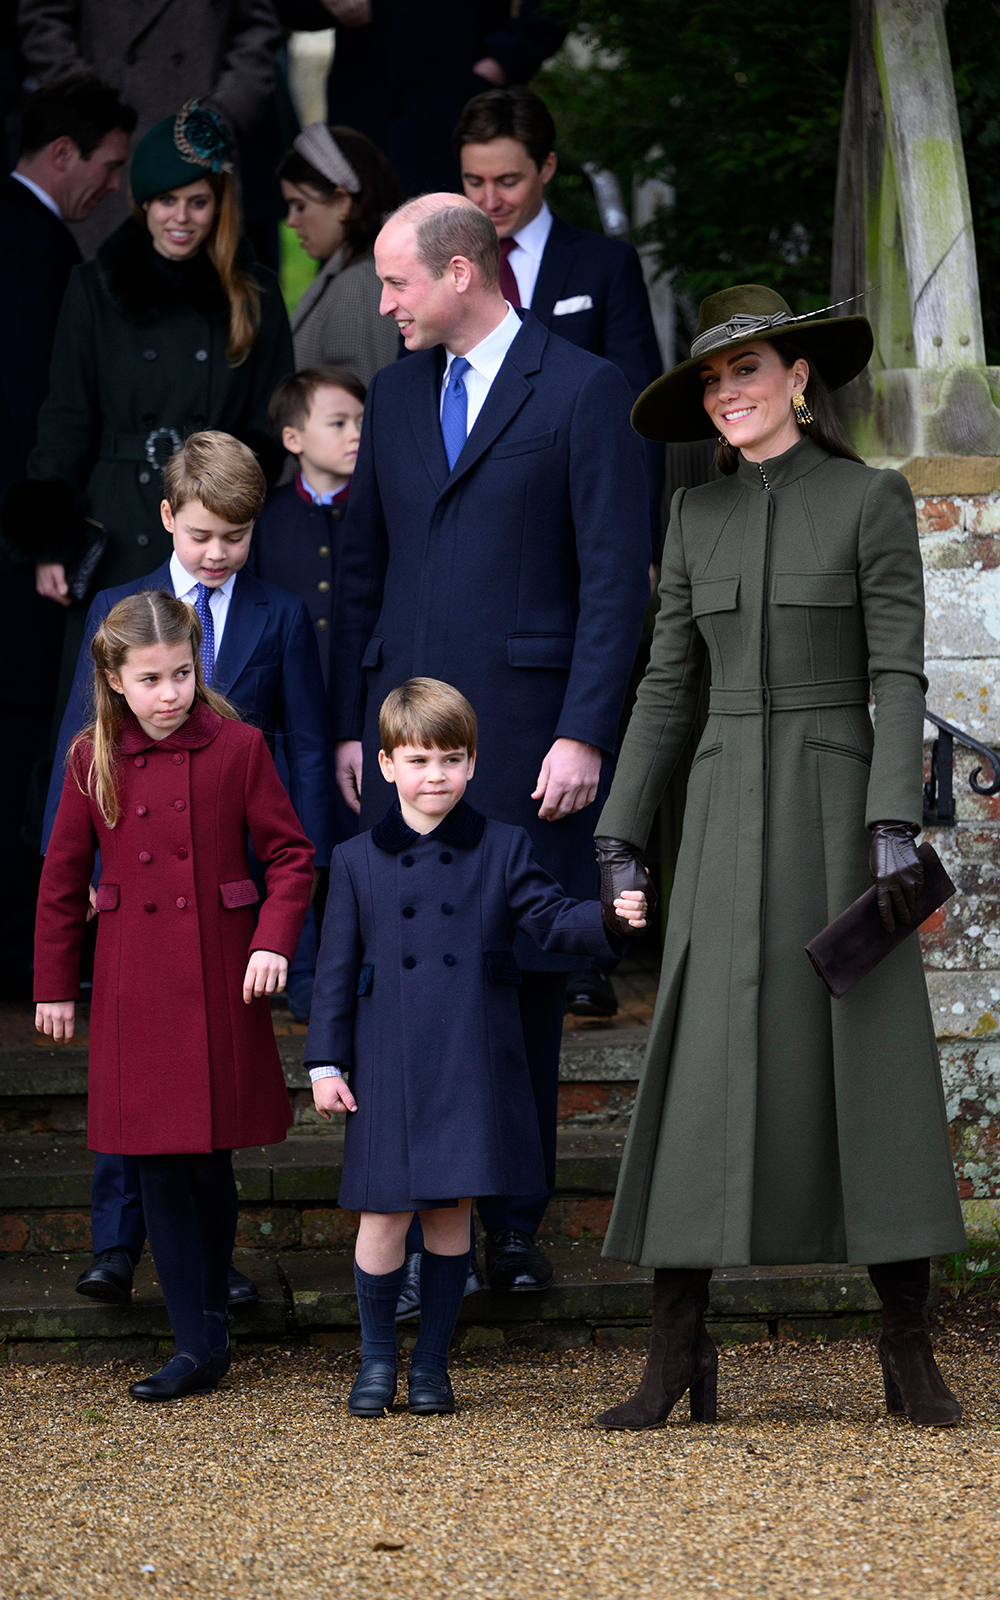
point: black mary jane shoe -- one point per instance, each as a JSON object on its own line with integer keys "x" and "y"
{"x": 374, "y": 1391}
{"x": 514, "y": 1263}
{"x": 429, "y": 1393}
{"x": 181, "y": 1376}
{"x": 242, "y": 1291}
{"x": 108, "y": 1278}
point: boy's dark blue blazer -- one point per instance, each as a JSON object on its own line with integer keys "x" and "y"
{"x": 268, "y": 666}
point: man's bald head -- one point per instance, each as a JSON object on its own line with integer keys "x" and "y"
{"x": 448, "y": 225}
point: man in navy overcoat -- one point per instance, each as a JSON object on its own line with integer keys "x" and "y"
{"x": 497, "y": 538}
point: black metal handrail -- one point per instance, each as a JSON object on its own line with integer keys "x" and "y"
{"x": 939, "y": 791}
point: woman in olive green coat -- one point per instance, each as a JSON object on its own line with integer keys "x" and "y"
{"x": 774, "y": 1125}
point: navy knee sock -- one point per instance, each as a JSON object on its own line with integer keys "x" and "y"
{"x": 442, "y": 1285}
{"x": 377, "y": 1297}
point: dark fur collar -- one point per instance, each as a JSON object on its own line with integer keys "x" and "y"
{"x": 145, "y": 289}
{"x": 462, "y": 826}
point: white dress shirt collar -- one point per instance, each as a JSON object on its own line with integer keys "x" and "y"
{"x": 39, "y": 193}
{"x": 186, "y": 588}
{"x": 485, "y": 360}
{"x": 534, "y": 236}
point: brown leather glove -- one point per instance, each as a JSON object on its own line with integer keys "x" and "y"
{"x": 897, "y": 869}
{"x": 621, "y": 869}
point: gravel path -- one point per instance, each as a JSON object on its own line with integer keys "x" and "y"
{"x": 268, "y": 1489}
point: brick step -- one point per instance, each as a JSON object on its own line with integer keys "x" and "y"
{"x": 311, "y": 1294}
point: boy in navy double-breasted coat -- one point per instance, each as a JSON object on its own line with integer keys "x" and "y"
{"x": 416, "y": 998}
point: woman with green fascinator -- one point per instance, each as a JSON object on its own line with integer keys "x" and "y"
{"x": 774, "y": 1125}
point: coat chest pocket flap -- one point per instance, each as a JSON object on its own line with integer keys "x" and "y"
{"x": 714, "y": 594}
{"x": 107, "y": 896}
{"x": 814, "y": 589}
{"x": 241, "y": 893}
{"x": 366, "y": 978}
{"x": 502, "y": 966}
{"x": 523, "y": 447}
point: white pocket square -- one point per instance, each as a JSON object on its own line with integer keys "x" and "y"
{"x": 576, "y": 302}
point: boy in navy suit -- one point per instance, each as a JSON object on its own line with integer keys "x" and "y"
{"x": 416, "y": 997}
{"x": 317, "y": 415}
{"x": 259, "y": 649}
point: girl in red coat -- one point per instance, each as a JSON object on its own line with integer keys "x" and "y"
{"x": 166, "y": 783}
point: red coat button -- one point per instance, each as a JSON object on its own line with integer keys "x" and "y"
{"x": 140, "y": 761}
{"x": 179, "y": 805}
{"x": 149, "y": 906}
{"x": 181, "y": 902}
{"x": 182, "y": 855}
{"x": 140, "y": 811}
{"x": 145, "y": 857}
{"x": 178, "y": 761}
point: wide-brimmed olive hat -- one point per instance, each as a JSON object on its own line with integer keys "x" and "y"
{"x": 671, "y": 409}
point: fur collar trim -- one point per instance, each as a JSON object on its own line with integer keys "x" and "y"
{"x": 462, "y": 826}
{"x": 145, "y": 288}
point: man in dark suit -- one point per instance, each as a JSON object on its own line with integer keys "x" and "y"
{"x": 497, "y": 539}
{"x": 584, "y": 286}
{"x": 74, "y": 141}
{"x": 262, "y": 647}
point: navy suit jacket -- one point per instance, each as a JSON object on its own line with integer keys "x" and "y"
{"x": 267, "y": 665}
{"x": 521, "y": 576}
{"x": 617, "y": 325}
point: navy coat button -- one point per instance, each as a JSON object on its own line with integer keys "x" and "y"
{"x": 145, "y": 857}
{"x": 149, "y": 355}
{"x": 179, "y": 805}
{"x": 409, "y": 962}
{"x": 450, "y": 961}
{"x": 140, "y": 811}
{"x": 324, "y": 550}
{"x": 149, "y": 906}
{"x": 178, "y": 760}
{"x": 201, "y": 355}
{"x": 446, "y": 856}
{"x": 142, "y": 540}
{"x": 409, "y": 911}
{"x": 140, "y": 761}
{"x": 144, "y": 477}
{"x": 181, "y": 902}
{"x": 407, "y": 861}
{"x": 182, "y": 854}
{"x": 447, "y": 909}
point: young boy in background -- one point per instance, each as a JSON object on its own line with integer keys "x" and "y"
{"x": 317, "y": 414}
{"x": 416, "y": 998}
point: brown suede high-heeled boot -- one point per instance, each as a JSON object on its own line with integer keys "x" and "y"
{"x": 681, "y": 1355}
{"x": 914, "y": 1386}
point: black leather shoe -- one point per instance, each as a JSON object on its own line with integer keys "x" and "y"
{"x": 241, "y": 1291}
{"x": 374, "y": 1391}
{"x": 590, "y": 994}
{"x": 108, "y": 1278}
{"x": 408, "y": 1304}
{"x": 429, "y": 1392}
{"x": 181, "y": 1376}
{"x": 514, "y": 1262}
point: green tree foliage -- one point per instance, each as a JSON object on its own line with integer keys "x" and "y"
{"x": 974, "y": 41}
{"x": 739, "y": 108}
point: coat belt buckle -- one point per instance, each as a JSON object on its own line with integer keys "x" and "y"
{"x": 157, "y": 439}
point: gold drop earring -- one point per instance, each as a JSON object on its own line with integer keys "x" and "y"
{"x": 803, "y": 415}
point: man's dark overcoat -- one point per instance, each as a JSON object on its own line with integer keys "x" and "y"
{"x": 520, "y": 577}
{"x": 773, "y": 1124}
{"x": 416, "y": 993}
{"x": 178, "y": 1061}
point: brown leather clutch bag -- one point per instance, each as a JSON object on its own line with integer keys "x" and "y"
{"x": 856, "y": 941}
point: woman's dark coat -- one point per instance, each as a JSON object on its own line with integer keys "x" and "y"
{"x": 178, "y": 1061}
{"x": 773, "y": 1124}
{"x": 416, "y": 994}
{"x": 139, "y": 363}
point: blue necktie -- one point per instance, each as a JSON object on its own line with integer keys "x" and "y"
{"x": 455, "y": 412}
{"x": 206, "y": 655}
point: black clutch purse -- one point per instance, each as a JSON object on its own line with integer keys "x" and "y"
{"x": 79, "y": 574}
{"x": 855, "y": 942}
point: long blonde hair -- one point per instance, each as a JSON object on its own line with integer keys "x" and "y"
{"x": 222, "y": 246}
{"x": 148, "y": 618}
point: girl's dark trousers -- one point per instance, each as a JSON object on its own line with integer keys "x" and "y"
{"x": 190, "y": 1207}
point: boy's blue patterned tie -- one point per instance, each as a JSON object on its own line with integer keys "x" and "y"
{"x": 206, "y": 654}
{"x": 455, "y": 412}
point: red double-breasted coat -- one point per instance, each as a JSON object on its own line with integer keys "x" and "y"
{"x": 178, "y": 1061}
